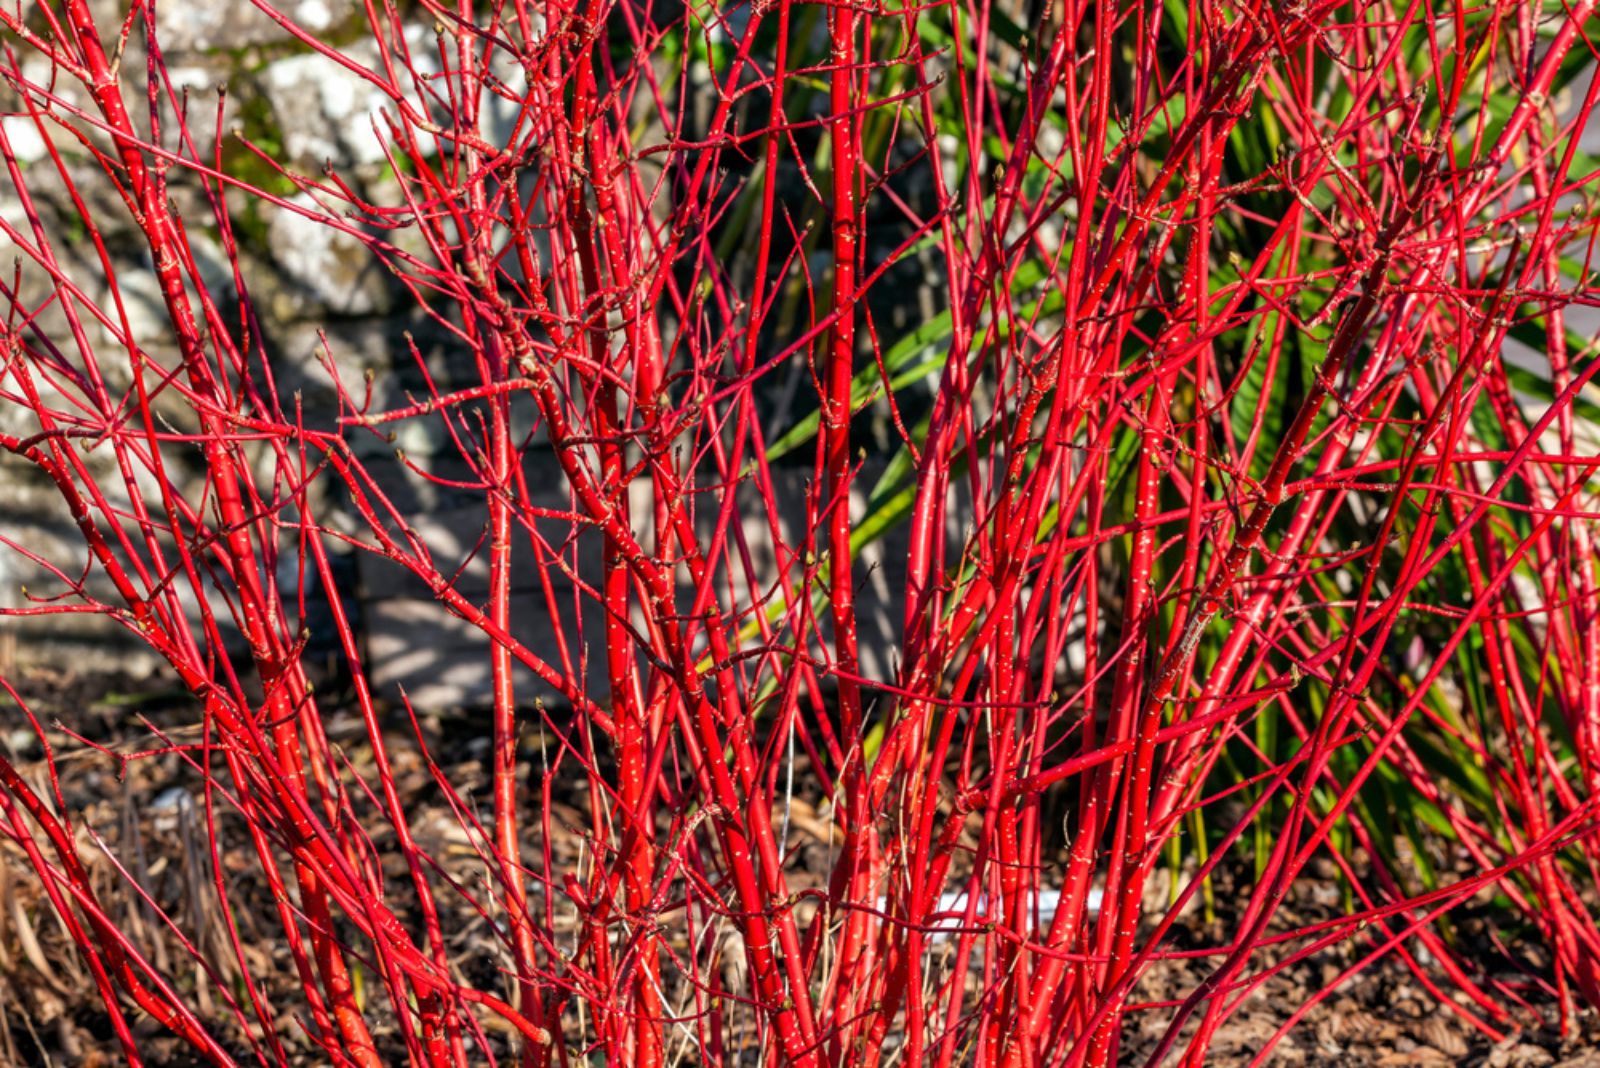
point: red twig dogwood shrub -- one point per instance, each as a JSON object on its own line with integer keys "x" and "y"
{"x": 1209, "y": 375}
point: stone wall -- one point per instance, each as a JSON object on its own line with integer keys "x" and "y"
{"x": 321, "y": 301}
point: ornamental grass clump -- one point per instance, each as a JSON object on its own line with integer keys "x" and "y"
{"x": 1019, "y": 468}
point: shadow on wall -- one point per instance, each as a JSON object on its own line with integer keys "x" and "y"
{"x": 442, "y": 662}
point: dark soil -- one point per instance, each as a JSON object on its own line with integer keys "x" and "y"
{"x": 149, "y": 814}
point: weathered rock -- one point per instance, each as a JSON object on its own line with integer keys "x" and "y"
{"x": 231, "y": 26}
{"x": 331, "y": 271}
{"x": 23, "y": 139}
{"x": 325, "y": 111}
